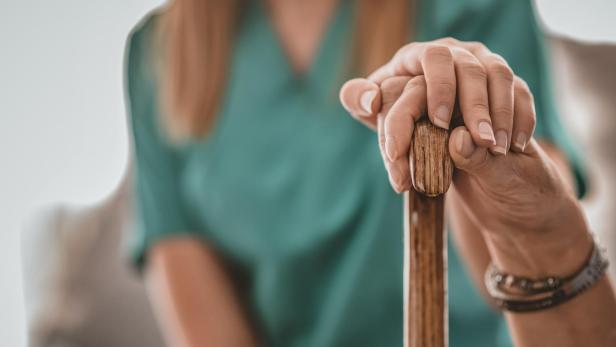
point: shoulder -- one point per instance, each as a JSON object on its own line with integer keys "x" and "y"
{"x": 473, "y": 19}
{"x": 141, "y": 43}
{"x": 139, "y": 70}
{"x": 481, "y": 7}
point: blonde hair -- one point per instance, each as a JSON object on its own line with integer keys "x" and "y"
{"x": 198, "y": 36}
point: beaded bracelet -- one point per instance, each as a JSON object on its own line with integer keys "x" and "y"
{"x": 522, "y": 294}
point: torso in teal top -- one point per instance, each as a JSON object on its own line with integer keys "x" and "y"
{"x": 293, "y": 191}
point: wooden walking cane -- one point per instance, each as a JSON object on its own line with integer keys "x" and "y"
{"x": 425, "y": 311}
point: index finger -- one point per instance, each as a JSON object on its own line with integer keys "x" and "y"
{"x": 435, "y": 62}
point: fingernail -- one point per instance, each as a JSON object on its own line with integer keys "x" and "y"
{"x": 465, "y": 145}
{"x": 486, "y": 133}
{"x": 501, "y": 142}
{"x": 366, "y": 100}
{"x": 442, "y": 116}
{"x": 520, "y": 141}
{"x": 391, "y": 148}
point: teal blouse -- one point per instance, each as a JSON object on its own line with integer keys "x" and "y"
{"x": 292, "y": 191}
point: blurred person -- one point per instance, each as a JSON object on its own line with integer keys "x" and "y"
{"x": 264, "y": 214}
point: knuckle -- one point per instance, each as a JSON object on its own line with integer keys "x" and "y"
{"x": 479, "y": 107}
{"x": 501, "y": 70}
{"x": 520, "y": 85}
{"x": 416, "y": 82}
{"x": 406, "y": 48}
{"x": 448, "y": 40}
{"x": 403, "y": 49}
{"x": 503, "y": 111}
{"x": 438, "y": 51}
{"x": 477, "y": 46}
{"x": 493, "y": 58}
{"x": 388, "y": 84}
{"x": 473, "y": 70}
{"x": 393, "y": 85}
{"x": 391, "y": 88}
{"x": 445, "y": 88}
{"x": 522, "y": 90}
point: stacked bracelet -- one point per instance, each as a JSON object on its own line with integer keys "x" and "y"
{"x": 521, "y": 294}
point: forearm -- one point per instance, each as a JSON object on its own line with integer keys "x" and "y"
{"x": 193, "y": 298}
{"x": 468, "y": 240}
{"x": 588, "y": 319}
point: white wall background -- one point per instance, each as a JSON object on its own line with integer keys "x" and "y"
{"x": 62, "y": 127}
{"x": 589, "y": 20}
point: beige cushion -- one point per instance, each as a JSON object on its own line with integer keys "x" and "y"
{"x": 585, "y": 82}
{"x": 79, "y": 289}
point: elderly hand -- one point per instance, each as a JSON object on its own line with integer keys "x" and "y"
{"x": 505, "y": 193}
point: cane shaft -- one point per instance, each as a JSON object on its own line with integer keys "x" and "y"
{"x": 425, "y": 248}
{"x": 426, "y": 306}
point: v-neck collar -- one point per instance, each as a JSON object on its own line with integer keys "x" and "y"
{"x": 323, "y": 63}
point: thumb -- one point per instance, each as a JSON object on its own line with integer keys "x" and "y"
{"x": 466, "y": 155}
{"x": 362, "y": 99}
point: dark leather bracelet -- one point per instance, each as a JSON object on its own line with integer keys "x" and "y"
{"x": 521, "y": 294}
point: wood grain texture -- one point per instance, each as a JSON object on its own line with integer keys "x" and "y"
{"x": 425, "y": 277}
{"x": 425, "y": 309}
{"x": 431, "y": 166}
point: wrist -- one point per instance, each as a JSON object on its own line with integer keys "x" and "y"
{"x": 559, "y": 250}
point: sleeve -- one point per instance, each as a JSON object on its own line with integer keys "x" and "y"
{"x": 159, "y": 207}
{"x": 510, "y": 29}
